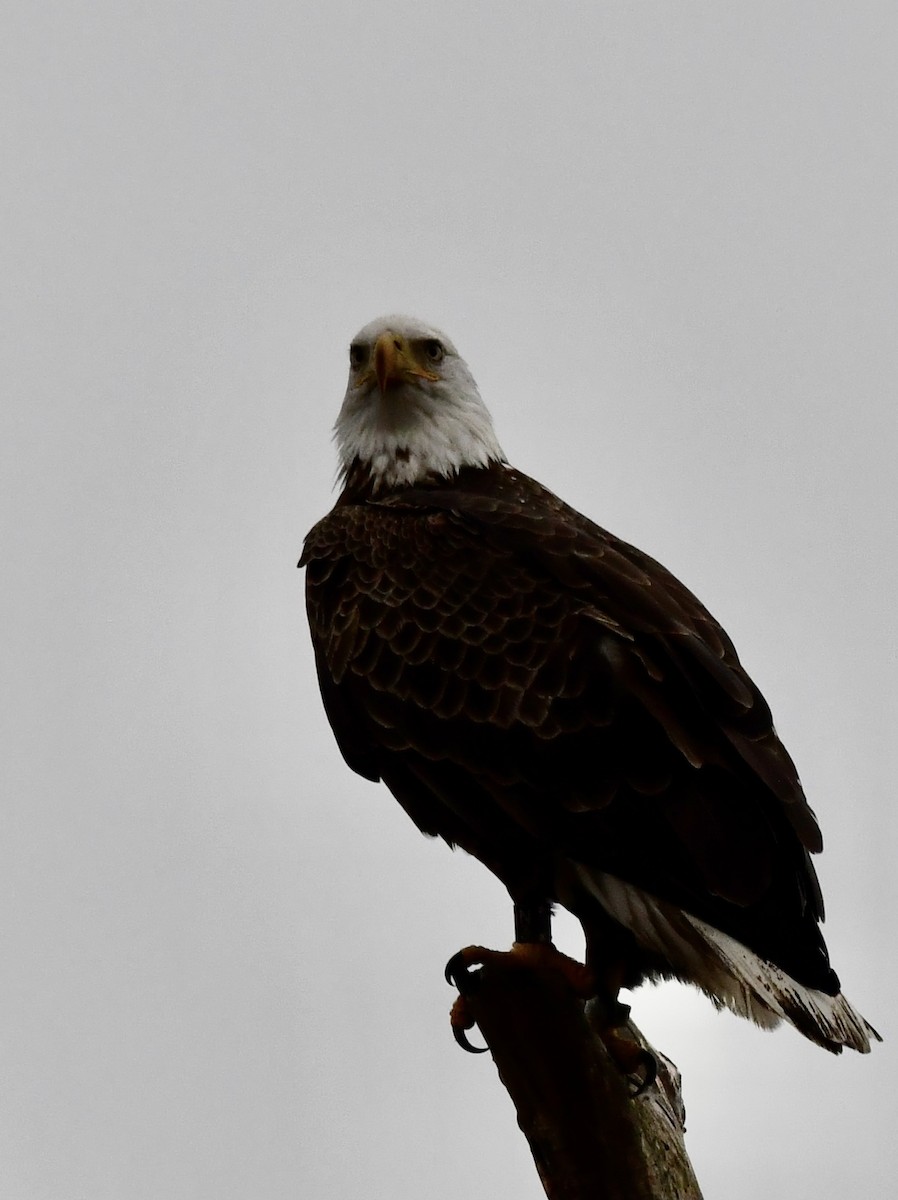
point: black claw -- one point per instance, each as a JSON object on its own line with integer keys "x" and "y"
{"x": 459, "y": 976}
{"x": 461, "y": 1037}
{"x": 650, "y": 1064}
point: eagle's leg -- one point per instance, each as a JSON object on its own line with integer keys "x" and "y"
{"x": 533, "y": 922}
{"x": 610, "y": 1016}
{"x": 609, "y": 975}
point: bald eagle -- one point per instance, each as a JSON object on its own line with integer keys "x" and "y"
{"x": 536, "y": 691}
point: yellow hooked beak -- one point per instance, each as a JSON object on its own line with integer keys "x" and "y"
{"x": 395, "y": 361}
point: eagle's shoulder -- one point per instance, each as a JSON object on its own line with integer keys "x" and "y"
{"x": 506, "y": 508}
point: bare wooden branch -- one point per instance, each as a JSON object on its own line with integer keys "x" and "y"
{"x": 591, "y": 1139}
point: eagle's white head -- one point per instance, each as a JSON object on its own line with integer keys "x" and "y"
{"x": 412, "y": 409}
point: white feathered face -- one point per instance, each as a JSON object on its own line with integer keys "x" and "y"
{"x": 412, "y": 409}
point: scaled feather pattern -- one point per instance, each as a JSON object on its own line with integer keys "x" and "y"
{"x": 555, "y": 702}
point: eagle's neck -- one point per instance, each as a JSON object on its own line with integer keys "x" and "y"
{"x": 414, "y": 435}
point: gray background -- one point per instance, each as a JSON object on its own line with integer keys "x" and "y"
{"x": 663, "y": 234}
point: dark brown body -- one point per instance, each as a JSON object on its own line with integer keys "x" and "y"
{"x": 542, "y": 694}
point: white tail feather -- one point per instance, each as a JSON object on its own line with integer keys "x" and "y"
{"x": 728, "y": 972}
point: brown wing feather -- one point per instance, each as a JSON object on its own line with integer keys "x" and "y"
{"x": 529, "y": 686}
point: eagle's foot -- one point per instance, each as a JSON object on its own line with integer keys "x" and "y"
{"x": 458, "y": 970}
{"x": 461, "y": 1019}
{"x": 459, "y": 974}
{"x": 463, "y": 971}
{"x": 462, "y": 968}
{"x": 544, "y": 956}
{"x": 631, "y": 1058}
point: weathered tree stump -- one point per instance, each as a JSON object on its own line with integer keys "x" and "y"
{"x": 590, "y": 1136}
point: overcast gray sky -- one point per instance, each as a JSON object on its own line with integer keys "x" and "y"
{"x": 664, "y": 237}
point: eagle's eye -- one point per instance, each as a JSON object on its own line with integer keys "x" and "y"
{"x": 358, "y": 355}
{"x": 433, "y": 349}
